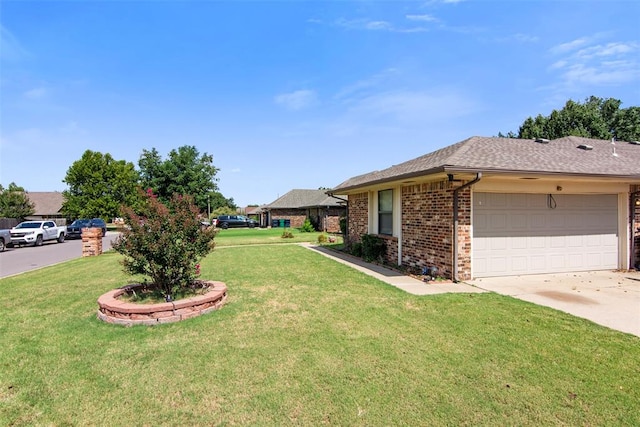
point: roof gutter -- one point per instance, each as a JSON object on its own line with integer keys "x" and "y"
{"x": 493, "y": 172}
{"x": 455, "y": 223}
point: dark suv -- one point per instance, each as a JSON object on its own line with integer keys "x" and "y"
{"x": 229, "y": 221}
{"x": 75, "y": 229}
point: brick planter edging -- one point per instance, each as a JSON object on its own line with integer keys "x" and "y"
{"x": 113, "y": 310}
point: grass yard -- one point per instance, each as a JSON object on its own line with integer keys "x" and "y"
{"x": 261, "y": 236}
{"x": 304, "y": 340}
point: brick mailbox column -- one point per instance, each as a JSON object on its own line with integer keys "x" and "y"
{"x": 91, "y": 241}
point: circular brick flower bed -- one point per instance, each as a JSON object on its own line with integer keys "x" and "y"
{"x": 114, "y": 310}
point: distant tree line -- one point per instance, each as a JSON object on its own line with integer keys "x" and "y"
{"x": 596, "y": 118}
{"x": 98, "y": 185}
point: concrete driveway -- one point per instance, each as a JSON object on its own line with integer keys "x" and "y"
{"x": 609, "y": 298}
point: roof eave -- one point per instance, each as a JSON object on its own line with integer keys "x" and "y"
{"x": 489, "y": 171}
{"x": 433, "y": 171}
{"x": 486, "y": 171}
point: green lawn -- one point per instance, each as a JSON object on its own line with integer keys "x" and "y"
{"x": 256, "y": 236}
{"x": 304, "y": 340}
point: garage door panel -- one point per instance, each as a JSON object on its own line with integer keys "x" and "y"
{"x": 557, "y": 241}
{"x": 523, "y": 233}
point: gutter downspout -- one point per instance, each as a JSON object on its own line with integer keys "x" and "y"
{"x": 635, "y": 196}
{"x": 455, "y": 223}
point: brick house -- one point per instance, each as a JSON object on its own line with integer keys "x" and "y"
{"x": 323, "y": 211}
{"x": 497, "y": 207}
{"x": 47, "y": 205}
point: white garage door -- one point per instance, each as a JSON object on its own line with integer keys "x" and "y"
{"x": 517, "y": 234}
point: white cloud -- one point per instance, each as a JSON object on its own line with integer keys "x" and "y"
{"x": 422, "y": 18}
{"x": 569, "y": 46}
{"x": 606, "y": 73}
{"x": 10, "y": 47}
{"x": 583, "y": 62}
{"x": 297, "y": 100}
{"x": 372, "y": 25}
{"x": 235, "y": 170}
{"x": 36, "y": 93}
{"x": 609, "y": 49}
{"x": 414, "y": 106}
{"x": 366, "y": 84}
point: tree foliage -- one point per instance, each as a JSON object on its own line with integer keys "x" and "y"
{"x": 218, "y": 201}
{"x": 596, "y": 118}
{"x": 14, "y": 202}
{"x": 164, "y": 243}
{"x": 99, "y": 186}
{"x": 185, "y": 172}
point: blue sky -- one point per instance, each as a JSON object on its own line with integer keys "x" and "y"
{"x": 293, "y": 94}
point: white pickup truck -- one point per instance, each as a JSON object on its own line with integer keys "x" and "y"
{"x": 36, "y": 232}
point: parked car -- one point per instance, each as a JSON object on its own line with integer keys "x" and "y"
{"x": 229, "y": 221}
{"x": 36, "y": 233}
{"x": 5, "y": 239}
{"x": 74, "y": 230}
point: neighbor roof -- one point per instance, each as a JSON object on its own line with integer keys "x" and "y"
{"x": 508, "y": 155}
{"x": 303, "y": 199}
{"x": 46, "y": 202}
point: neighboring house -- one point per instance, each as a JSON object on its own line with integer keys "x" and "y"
{"x": 47, "y": 205}
{"x": 253, "y": 212}
{"x": 322, "y": 210}
{"x": 498, "y": 206}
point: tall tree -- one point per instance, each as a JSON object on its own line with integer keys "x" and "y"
{"x": 597, "y": 118}
{"x": 184, "y": 172}
{"x": 14, "y": 202}
{"x": 99, "y": 185}
{"x": 627, "y": 124}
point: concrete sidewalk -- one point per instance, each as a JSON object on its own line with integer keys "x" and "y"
{"x": 394, "y": 278}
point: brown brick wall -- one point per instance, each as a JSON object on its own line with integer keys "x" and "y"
{"x": 296, "y": 216}
{"x": 427, "y": 227}
{"x": 328, "y": 219}
{"x": 392, "y": 248}
{"x": 358, "y": 216}
{"x": 332, "y": 219}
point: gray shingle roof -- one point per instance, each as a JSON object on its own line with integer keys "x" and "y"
{"x": 481, "y": 154}
{"x": 303, "y": 199}
{"x": 46, "y": 202}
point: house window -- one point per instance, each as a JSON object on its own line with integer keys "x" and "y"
{"x": 385, "y": 212}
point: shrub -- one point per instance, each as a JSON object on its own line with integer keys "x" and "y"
{"x": 343, "y": 225}
{"x": 307, "y": 227}
{"x": 287, "y": 235}
{"x": 164, "y": 243}
{"x": 322, "y": 239}
{"x": 373, "y": 248}
{"x": 356, "y": 249}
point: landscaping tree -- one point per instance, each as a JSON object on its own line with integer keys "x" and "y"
{"x": 14, "y": 202}
{"x": 99, "y": 186}
{"x": 595, "y": 118}
{"x": 218, "y": 201}
{"x": 164, "y": 242}
{"x": 186, "y": 171}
